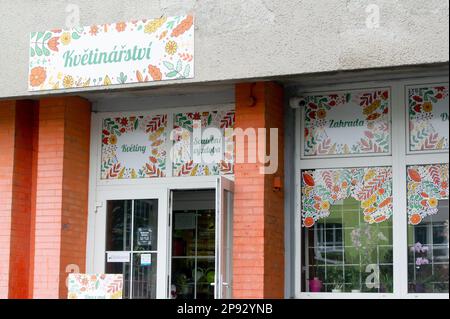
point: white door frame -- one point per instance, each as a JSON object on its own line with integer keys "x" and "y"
{"x": 100, "y": 231}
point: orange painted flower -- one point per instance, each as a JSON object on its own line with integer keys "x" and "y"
{"x": 308, "y": 222}
{"x": 415, "y": 219}
{"x": 155, "y": 72}
{"x": 321, "y": 114}
{"x": 427, "y": 107}
{"x": 37, "y": 76}
{"x": 53, "y": 44}
{"x": 93, "y": 30}
{"x": 121, "y": 26}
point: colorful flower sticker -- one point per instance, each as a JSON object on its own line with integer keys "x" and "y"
{"x": 372, "y": 187}
{"x": 134, "y": 147}
{"x": 428, "y": 118}
{"x": 356, "y": 122}
{"x": 427, "y": 184}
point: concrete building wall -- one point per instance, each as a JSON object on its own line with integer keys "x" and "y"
{"x": 238, "y": 39}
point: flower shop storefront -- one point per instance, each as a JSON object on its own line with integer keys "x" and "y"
{"x": 162, "y": 215}
{"x": 372, "y": 190}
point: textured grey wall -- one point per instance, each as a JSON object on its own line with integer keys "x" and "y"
{"x": 238, "y": 39}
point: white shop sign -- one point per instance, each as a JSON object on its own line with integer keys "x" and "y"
{"x": 116, "y": 53}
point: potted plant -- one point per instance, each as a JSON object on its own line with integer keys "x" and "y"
{"x": 337, "y": 288}
{"x": 421, "y": 260}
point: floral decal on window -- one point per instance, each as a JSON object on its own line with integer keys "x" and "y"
{"x": 330, "y": 123}
{"x": 134, "y": 147}
{"x": 427, "y": 184}
{"x": 428, "y": 118}
{"x": 324, "y": 187}
{"x": 183, "y": 163}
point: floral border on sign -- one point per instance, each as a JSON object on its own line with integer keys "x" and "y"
{"x": 177, "y": 64}
{"x": 321, "y": 189}
{"x": 422, "y": 134}
{"x": 427, "y": 184}
{"x": 182, "y": 139}
{"x": 374, "y": 107}
{"x": 156, "y": 129}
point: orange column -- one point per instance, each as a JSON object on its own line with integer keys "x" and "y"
{"x": 16, "y": 165}
{"x": 258, "y": 238}
{"x": 61, "y": 193}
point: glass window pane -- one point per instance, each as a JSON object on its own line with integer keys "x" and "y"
{"x": 347, "y": 230}
{"x": 144, "y": 276}
{"x": 206, "y": 233}
{"x": 145, "y": 225}
{"x": 428, "y": 232}
{"x": 183, "y": 284}
{"x": 204, "y": 278}
{"x": 118, "y": 225}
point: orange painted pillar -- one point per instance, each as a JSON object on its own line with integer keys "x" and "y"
{"x": 258, "y": 226}
{"x": 16, "y": 165}
{"x": 61, "y": 193}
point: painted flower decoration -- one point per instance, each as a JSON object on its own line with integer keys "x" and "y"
{"x": 121, "y": 26}
{"x": 113, "y": 139}
{"x": 321, "y": 114}
{"x": 53, "y": 44}
{"x": 171, "y": 47}
{"x": 427, "y": 107}
{"x": 66, "y": 38}
{"x": 68, "y": 81}
{"x": 93, "y": 30}
{"x": 37, "y": 76}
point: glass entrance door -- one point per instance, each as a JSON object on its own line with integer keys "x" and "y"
{"x": 131, "y": 245}
{"x": 201, "y": 257}
{"x": 130, "y": 238}
{"x": 193, "y": 244}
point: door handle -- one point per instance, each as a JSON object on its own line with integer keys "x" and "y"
{"x": 225, "y": 284}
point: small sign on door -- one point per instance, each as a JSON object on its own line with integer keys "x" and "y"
{"x": 146, "y": 259}
{"x": 144, "y": 236}
{"x": 118, "y": 256}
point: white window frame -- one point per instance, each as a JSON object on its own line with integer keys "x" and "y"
{"x": 101, "y": 190}
{"x": 399, "y": 160}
